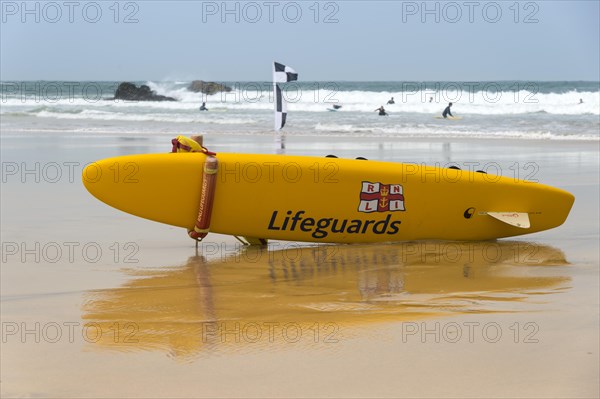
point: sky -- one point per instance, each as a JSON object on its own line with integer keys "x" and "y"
{"x": 322, "y": 41}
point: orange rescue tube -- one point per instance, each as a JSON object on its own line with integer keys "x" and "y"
{"x": 209, "y": 181}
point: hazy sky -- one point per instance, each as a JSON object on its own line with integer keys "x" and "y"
{"x": 329, "y": 40}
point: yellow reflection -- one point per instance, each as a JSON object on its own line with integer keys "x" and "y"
{"x": 291, "y": 293}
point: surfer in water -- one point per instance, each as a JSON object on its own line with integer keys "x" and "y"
{"x": 391, "y": 101}
{"x": 203, "y": 107}
{"x": 381, "y": 111}
{"x": 336, "y": 106}
{"x": 447, "y": 111}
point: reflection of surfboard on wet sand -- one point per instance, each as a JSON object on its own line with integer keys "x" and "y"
{"x": 318, "y": 199}
{"x": 345, "y": 285}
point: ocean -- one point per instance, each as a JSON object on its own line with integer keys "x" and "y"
{"x": 505, "y": 109}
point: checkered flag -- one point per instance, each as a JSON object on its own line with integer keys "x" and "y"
{"x": 281, "y": 74}
{"x": 280, "y": 109}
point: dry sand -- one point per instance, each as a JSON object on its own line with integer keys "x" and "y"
{"x": 98, "y": 303}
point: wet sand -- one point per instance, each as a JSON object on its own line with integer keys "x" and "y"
{"x": 98, "y": 303}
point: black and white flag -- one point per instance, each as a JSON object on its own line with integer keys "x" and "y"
{"x": 281, "y": 74}
{"x": 280, "y": 108}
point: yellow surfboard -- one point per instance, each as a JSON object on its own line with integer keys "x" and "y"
{"x": 317, "y": 199}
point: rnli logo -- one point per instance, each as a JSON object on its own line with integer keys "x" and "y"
{"x": 378, "y": 197}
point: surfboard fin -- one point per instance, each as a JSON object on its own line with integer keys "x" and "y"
{"x": 517, "y": 219}
{"x": 252, "y": 240}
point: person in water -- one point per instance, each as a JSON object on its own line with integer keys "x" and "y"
{"x": 203, "y": 107}
{"x": 581, "y": 101}
{"x": 447, "y": 111}
{"x": 336, "y": 106}
{"x": 381, "y": 111}
{"x": 391, "y": 101}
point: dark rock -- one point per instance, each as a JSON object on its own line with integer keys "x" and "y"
{"x": 130, "y": 92}
{"x": 200, "y": 86}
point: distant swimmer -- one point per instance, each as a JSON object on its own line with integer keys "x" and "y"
{"x": 203, "y": 107}
{"x": 581, "y": 101}
{"x": 391, "y": 101}
{"x": 447, "y": 111}
{"x": 381, "y": 111}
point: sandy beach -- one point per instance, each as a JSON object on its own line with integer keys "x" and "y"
{"x": 99, "y": 303}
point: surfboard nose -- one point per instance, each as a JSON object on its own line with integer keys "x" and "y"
{"x": 111, "y": 178}
{"x": 153, "y": 186}
{"x": 91, "y": 176}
